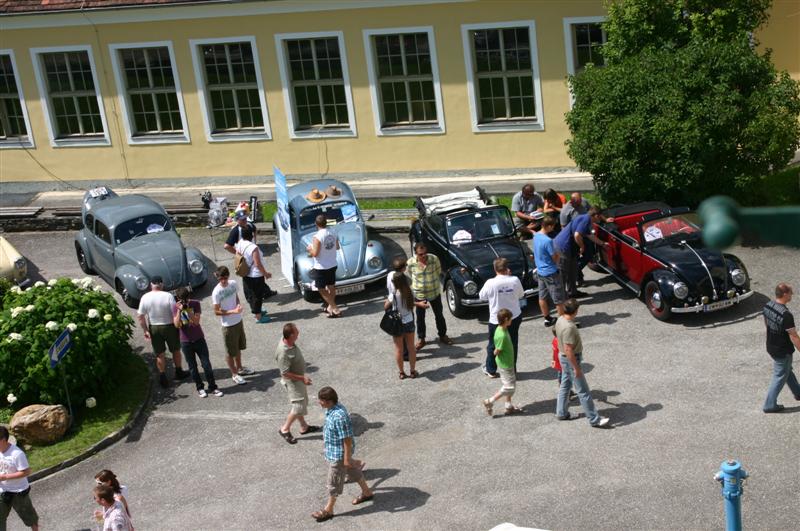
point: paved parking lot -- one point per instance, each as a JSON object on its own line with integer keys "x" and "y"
{"x": 683, "y": 396}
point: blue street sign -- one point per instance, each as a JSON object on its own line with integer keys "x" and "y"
{"x": 60, "y": 348}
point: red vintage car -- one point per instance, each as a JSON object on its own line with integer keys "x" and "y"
{"x": 657, "y": 252}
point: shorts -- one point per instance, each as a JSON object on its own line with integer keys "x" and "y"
{"x": 163, "y": 336}
{"x": 22, "y": 505}
{"x": 408, "y": 328}
{"x": 298, "y": 396}
{"x": 323, "y": 277}
{"x": 338, "y": 474}
{"x": 552, "y": 285}
{"x": 300, "y": 408}
{"x": 509, "y": 380}
{"x": 234, "y": 338}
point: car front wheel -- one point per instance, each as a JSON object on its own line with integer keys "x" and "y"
{"x": 454, "y": 300}
{"x": 82, "y": 261}
{"x": 126, "y": 297}
{"x": 658, "y": 306}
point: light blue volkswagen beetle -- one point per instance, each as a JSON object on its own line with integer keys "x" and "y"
{"x": 359, "y": 261}
{"x": 129, "y": 239}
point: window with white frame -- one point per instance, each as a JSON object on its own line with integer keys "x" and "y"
{"x": 404, "y": 81}
{"x": 588, "y": 39}
{"x": 151, "y": 94}
{"x": 316, "y": 84}
{"x": 503, "y": 72}
{"x": 72, "y": 94}
{"x": 13, "y": 118}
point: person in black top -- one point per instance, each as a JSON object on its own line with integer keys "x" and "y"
{"x": 236, "y": 234}
{"x": 782, "y": 339}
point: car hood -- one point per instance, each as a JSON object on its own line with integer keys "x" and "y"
{"x": 484, "y": 253}
{"x": 353, "y": 245}
{"x": 160, "y": 254}
{"x": 689, "y": 265}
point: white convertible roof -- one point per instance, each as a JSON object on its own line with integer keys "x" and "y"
{"x": 443, "y": 203}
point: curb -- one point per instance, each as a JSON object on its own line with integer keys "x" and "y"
{"x": 102, "y": 444}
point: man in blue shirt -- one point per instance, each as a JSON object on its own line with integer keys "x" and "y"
{"x": 550, "y": 282}
{"x": 340, "y": 444}
{"x": 571, "y": 243}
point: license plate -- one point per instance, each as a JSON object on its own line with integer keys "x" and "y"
{"x": 717, "y": 305}
{"x": 353, "y": 288}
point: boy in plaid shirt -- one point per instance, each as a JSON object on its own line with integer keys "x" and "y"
{"x": 339, "y": 448}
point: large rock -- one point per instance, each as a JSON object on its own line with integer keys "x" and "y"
{"x": 40, "y": 424}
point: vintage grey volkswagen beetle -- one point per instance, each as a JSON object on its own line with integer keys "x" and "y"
{"x": 359, "y": 261}
{"x": 129, "y": 239}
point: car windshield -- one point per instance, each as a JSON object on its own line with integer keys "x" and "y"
{"x": 480, "y": 225}
{"x": 136, "y": 227}
{"x": 672, "y": 227}
{"x": 336, "y": 212}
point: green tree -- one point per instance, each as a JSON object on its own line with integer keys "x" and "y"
{"x": 685, "y": 106}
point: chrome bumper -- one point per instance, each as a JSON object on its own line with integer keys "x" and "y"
{"x": 482, "y": 302}
{"x": 698, "y": 308}
{"x": 357, "y": 280}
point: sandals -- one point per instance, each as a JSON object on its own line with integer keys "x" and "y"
{"x": 288, "y": 437}
{"x": 488, "y": 406}
{"x": 403, "y": 375}
{"x": 361, "y": 499}
{"x": 310, "y": 429}
{"x": 514, "y": 410}
{"x": 322, "y": 516}
{"x": 414, "y": 374}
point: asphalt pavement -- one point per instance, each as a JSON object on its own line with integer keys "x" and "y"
{"x": 683, "y": 396}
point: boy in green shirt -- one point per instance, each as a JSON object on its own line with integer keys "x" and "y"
{"x": 504, "y": 357}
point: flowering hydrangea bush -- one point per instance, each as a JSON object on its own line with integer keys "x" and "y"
{"x": 32, "y": 319}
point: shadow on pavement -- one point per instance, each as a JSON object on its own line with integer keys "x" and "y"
{"x": 390, "y": 499}
{"x": 360, "y": 424}
{"x": 259, "y": 381}
{"x": 448, "y": 372}
{"x": 588, "y": 320}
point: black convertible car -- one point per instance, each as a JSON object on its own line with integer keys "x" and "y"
{"x": 467, "y": 233}
{"x": 657, "y": 252}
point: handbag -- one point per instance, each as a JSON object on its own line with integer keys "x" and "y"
{"x": 391, "y": 323}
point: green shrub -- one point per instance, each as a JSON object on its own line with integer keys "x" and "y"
{"x": 31, "y": 320}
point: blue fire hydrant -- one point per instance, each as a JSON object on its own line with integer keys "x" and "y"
{"x": 732, "y": 475}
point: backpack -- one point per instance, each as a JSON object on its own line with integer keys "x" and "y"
{"x": 240, "y": 266}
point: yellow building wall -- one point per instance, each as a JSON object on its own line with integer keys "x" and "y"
{"x": 458, "y": 149}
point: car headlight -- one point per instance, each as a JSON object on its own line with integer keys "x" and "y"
{"x": 738, "y": 277}
{"x": 20, "y": 263}
{"x": 196, "y": 266}
{"x": 470, "y": 288}
{"x": 680, "y": 290}
{"x": 375, "y": 262}
{"x": 142, "y": 283}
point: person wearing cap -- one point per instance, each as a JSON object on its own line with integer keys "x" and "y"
{"x": 524, "y": 204}
{"x": 322, "y": 249}
{"x": 242, "y": 221}
{"x": 155, "y": 318}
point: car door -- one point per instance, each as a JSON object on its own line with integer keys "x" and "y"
{"x": 102, "y": 250}
{"x": 434, "y": 239}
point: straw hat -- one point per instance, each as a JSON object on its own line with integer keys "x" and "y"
{"x": 333, "y": 191}
{"x": 315, "y": 196}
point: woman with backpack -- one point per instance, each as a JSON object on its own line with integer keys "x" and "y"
{"x": 254, "y": 281}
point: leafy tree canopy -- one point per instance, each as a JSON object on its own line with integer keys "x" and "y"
{"x": 685, "y": 106}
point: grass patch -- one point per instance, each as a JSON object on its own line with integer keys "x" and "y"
{"x": 113, "y": 411}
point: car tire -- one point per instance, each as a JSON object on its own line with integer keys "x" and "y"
{"x": 82, "y": 260}
{"x": 308, "y": 295}
{"x": 126, "y": 297}
{"x": 655, "y": 302}
{"x": 453, "y": 298}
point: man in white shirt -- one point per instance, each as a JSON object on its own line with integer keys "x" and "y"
{"x": 225, "y": 298}
{"x": 503, "y": 291}
{"x": 155, "y": 318}
{"x": 322, "y": 249}
{"x": 14, "y": 486}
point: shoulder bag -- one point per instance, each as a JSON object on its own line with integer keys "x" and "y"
{"x": 391, "y": 323}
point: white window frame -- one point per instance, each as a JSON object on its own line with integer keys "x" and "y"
{"x": 377, "y": 104}
{"x": 472, "y": 92}
{"x": 205, "y": 103}
{"x": 288, "y": 97}
{"x": 569, "y": 44}
{"x": 26, "y": 142}
{"x": 44, "y": 97}
{"x": 122, "y": 93}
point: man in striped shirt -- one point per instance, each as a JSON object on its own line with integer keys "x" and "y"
{"x": 340, "y": 445}
{"x": 426, "y": 284}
